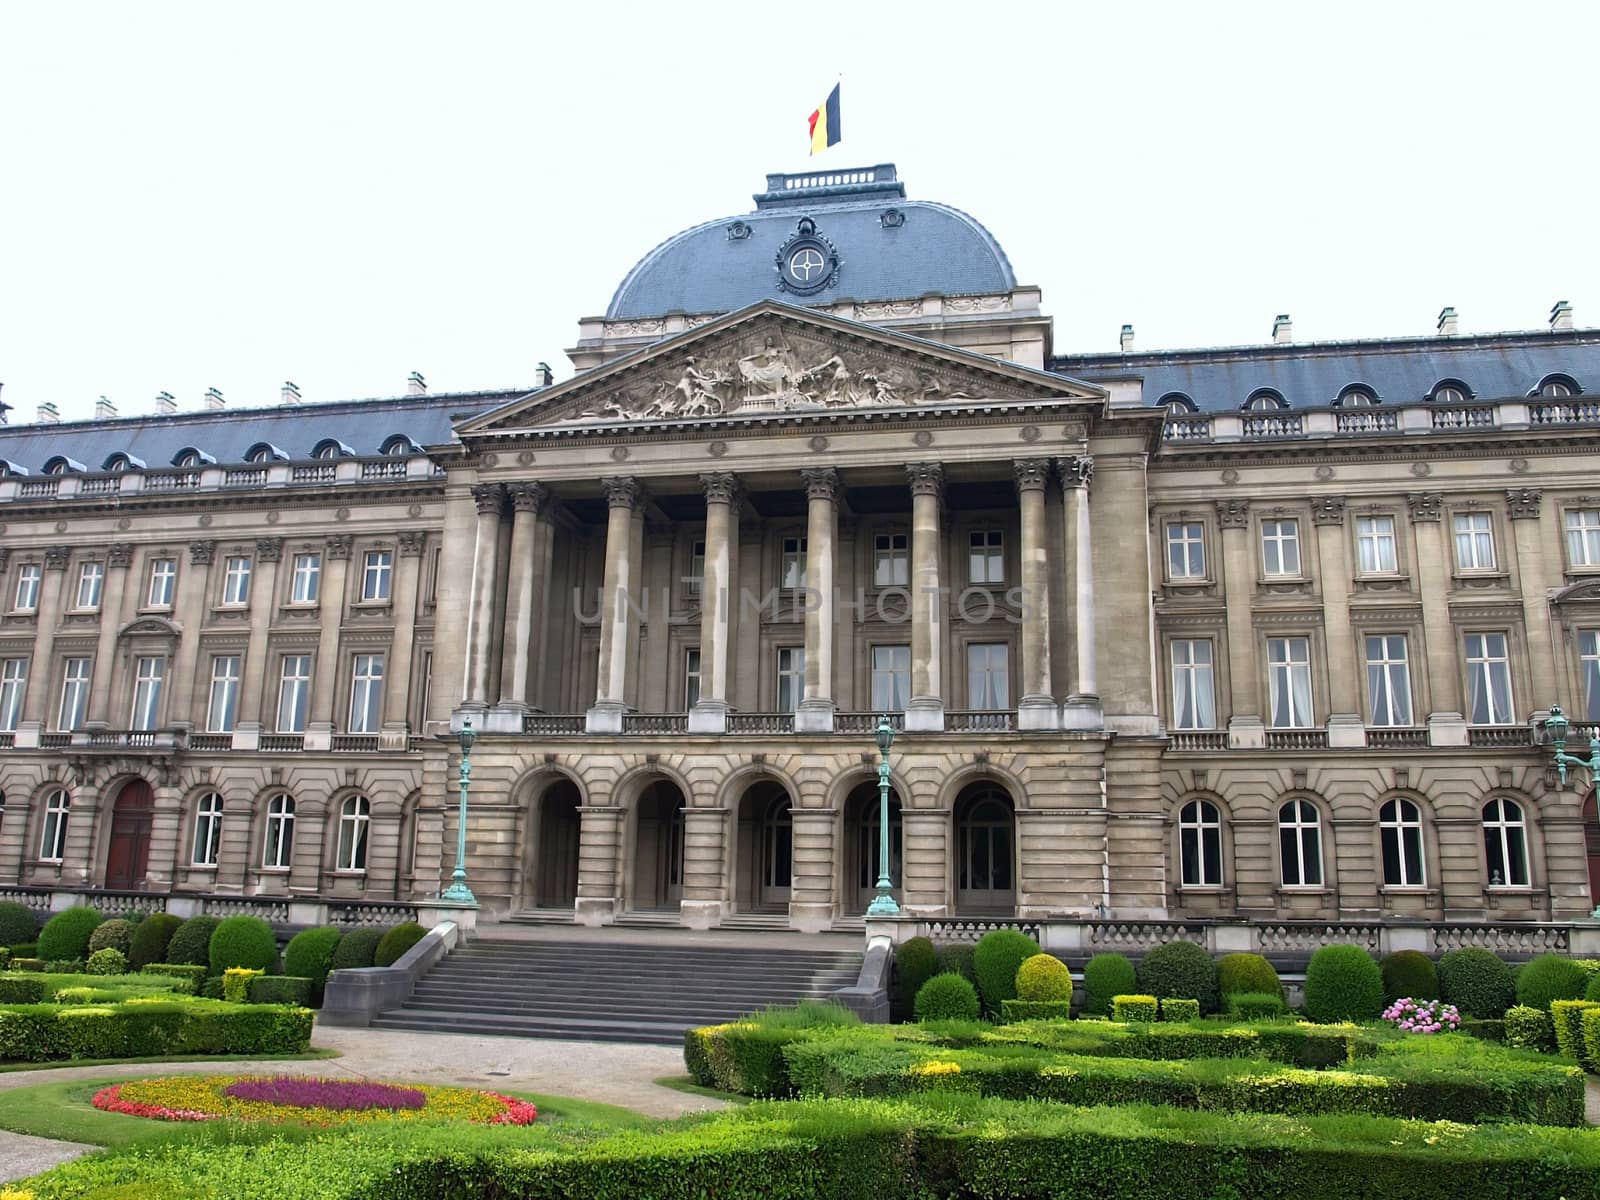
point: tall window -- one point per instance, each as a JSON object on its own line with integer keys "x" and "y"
{"x": 13, "y": 686}
{"x": 148, "y": 675}
{"x": 91, "y": 582}
{"x": 791, "y": 677}
{"x": 304, "y": 582}
{"x": 366, "y": 694}
{"x": 792, "y": 572}
{"x": 28, "y": 577}
{"x": 1489, "y": 679}
{"x": 1280, "y": 547}
{"x": 208, "y": 830}
{"x": 278, "y": 847}
{"x": 163, "y": 582}
{"x": 224, "y": 706}
{"x": 1588, "y": 662}
{"x": 1583, "y": 537}
{"x": 376, "y": 574}
{"x": 74, "y": 693}
{"x": 236, "y": 581}
{"x": 1193, "y": 692}
{"x": 1300, "y": 844}
{"x": 988, "y": 675}
{"x": 691, "y": 678}
{"x": 1375, "y": 546}
{"x": 1505, "y": 843}
{"x": 1186, "y": 551}
{"x": 355, "y": 814}
{"x": 697, "y": 568}
{"x": 1200, "y": 844}
{"x": 1289, "y": 664}
{"x": 1388, "y": 680}
{"x": 1400, "y": 829}
{"x": 986, "y": 556}
{"x": 53, "y": 837}
{"x": 890, "y": 563}
{"x": 1474, "y": 542}
{"x": 891, "y": 678}
{"x": 294, "y": 693}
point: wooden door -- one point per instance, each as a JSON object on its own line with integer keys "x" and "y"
{"x": 131, "y": 819}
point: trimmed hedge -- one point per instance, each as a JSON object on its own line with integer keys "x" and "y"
{"x": 1135, "y": 1008}
{"x": 1044, "y": 977}
{"x": 1529, "y": 1029}
{"x": 1343, "y": 983}
{"x": 1238, "y": 973}
{"x": 1256, "y": 1006}
{"x": 946, "y": 997}
{"x": 1409, "y": 973}
{"x": 1105, "y": 976}
{"x": 190, "y": 977}
{"x": 1567, "y": 1017}
{"x": 1592, "y": 991}
{"x": 282, "y": 989}
{"x": 1012, "y": 1011}
{"x": 108, "y": 960}
{"x": 1180, "y": 969}
{"x": 191, "y": 942}
{"x": 150, "y": 1028}
{"x": 1590, "y": 1022}
{"x": 1175, "y": 1009}
{"x": 356, "y": 949}
{"x": 1477, "y": 983}
{"x": 117, "y": 934}
{"x": 151, "y": 938}
{"x": 394, "y": 944}
{"x": 996, "y": 959}
{"x": 243, "y": 942}
{"x": 309, "y": 955}
{"x": 18, "y": 925}
{"x": 65, "y": 936}
{"x": 23, "y": 989}
{"x": 236, "y": 984}
{"x": 915, "y": 962}
{"x": 1549, "y": 978}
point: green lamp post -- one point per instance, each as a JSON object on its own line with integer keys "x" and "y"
{"x": 1556, "y": 724}
{"x": 883, "y": 904}
{"x": 458, "y": 892}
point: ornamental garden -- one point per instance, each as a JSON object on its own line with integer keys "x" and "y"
{"x": 1003, "y": 1075}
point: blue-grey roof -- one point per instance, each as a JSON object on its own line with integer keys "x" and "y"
{"x": 714, "y": 268}
{"x": 1312, "y": 375}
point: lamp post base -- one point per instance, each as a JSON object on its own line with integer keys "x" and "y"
{"x": 883, "y": 905}
{"x": 459, "y": 893}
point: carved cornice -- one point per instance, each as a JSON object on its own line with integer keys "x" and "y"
{"x": 411, "y": 543}
{"x": 339, "y": 545}
{"x": 1327, "y": 510}
{"x": 528, "y": 497}
{"x": 269, "y": 549}
{"x": 1425, "y": 506}
{"x": 489, "y": 498}
{"x": 822, "y": 483}
{"x": 622, "y": 491}
{"x": 926, "y": 478}
{"x": 1233, "y": 514}
{"x": 1524, "y": 503}
{"x": 118, "y": 554}
{"x": 1076, "y": 471}
{"x": 55, "y": 557}
{"x": 1031, "y": 474}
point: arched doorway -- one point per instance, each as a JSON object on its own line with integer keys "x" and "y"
{"x": 765, "y": 858}
{"x": 658, "y": 847}
{"x": 132, "y": 816}
{"x": 862, "y": 847}
{"x": 985, "y": 850}
{"x": 1591, "y": 845}
{"x": 555, "y": 875}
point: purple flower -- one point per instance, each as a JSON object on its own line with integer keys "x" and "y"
{"x": 334, "y": 1094}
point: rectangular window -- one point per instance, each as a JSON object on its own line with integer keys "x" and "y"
{"x": 697, "y": 568}
{"x": 1280, "y": 547}
{"x": 986, "y": 556}
{"x": 988, "y": 675}
{"x": 13, "y": 686}
{"x": 377, "y": 574}
{"x": 74, "y": 693}
{"x": 891, "y": 678}
{"x": 366, "y": 694}
{"x": 1488, "y": 679}
{"x": 792, "y": 573}
{"x": 1388, "y": 680}
{"x": 163, "y": 582}
{"x": 294, "y": 693}
{"x": 1186, "y": 551}
{"x": 1193, "y": 687}
{"x": 236, "y": 581}
{"x": 420, "y": 718}
{"x": 28, "y": 577}
{"x": 1375, "y": 546}
{"x": 91, "y": 582}
{"x": 224, "y": 706}
{"x": 791, "y": 677}
{"x": 303, "y": 584}
{"x": 1289, "y": 663}
{"x": 148, "y": 676}
{"x": 1588, "y": 664}
{"x": 1583, "y": 537}
{"x": 1474, "y": 542}
{"x": 891, "y": 564}
{"x": 691, "y": 678}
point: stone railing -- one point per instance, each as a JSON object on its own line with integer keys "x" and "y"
{"x": 7, "y": 741}
{"x": 355, "y": 743}
{"x": 1198, "y": 739}
{"x": 1464, "y": 416}
{"x": 1575, "y": 411}
{"x": 547, "y": 724}
{"x": 283, "y": 743}
{"x": 376, "y": 916}
{"x": 37, "y": 899}
{"x": 970, "y": 929}
{"x": 1501, "y": 735}
{"x": 211, "y": 741}
{"x": 1389, "y": 737}
{"x": 136, "y": 481}
{"x": 655, "y": 723}
{"x": 1516, "y": 941}
{"x": 1297, "y": 739}
{"x": 1187, "y": 429}
{"x": 865, "y": 722}
{"x": 274, "y": 912}
{"x": 123, "y": 904}
{"x": 317, "y": 473}
{"x": 1366, "y": 420}
{"x": 973, "y": 720}
{"x": 1274, "y": 425}
{"x": 1384, "y": 421}
{"x": 761, "y": 722}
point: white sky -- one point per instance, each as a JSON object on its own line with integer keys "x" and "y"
{"x": 341, "y": 193}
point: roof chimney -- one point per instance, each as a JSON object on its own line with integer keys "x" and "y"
{"x": 543, "y": 376}
{"x": 1447, "y": 322}
{"x": 104, "y": 410}
{"x": 1560, "y": 317}
{"x": 416, "y": 385}
{"x": 214, "y": 399}
{"x": 49, "y": 414}
{"x": 165, "y": 404}
{"x": 290, "y": 393}
{"x": 1283, "y": 329}
{"x": 1127, "y": 339}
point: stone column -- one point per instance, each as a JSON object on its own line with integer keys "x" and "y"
{"x": 46, "y": 620}
{"x": 1446, "y": 725}
{"x": 118, "y": 559}
{"x": 482, "y": 671}
{"x": 599, "y": 843}
{"x": 815, "y": 875}
{"x": 397, "y": 685}
{"x": 1533, "y": 581}
{"x": 1346, "y": 727}
{"x": 525, "y": 586}
{"x": 705, "y": 856}
{"x": 194, "y": 594}
{"x": 717, "y": 598}
{"x": 815, "y": 714}
{"x": 926, "y": 854}
{"x": 925, "y": 709}
{"x": 1246, "y": 726}
{"x": 1036, "y": 706}
{"x": 254, "y": 678}
{"x": 1082, "y": 709}
{"x": 330, "y": 615}
{"x": 616, "y": 606}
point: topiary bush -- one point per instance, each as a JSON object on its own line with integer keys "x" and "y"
{"x": 1180, "y": 969}
{"x": 1238, "y": 973}
{"x": 1343, "y": 983}
{"x": 1174, "y": 1009}
{"x": 1567, "y": 1017}
{"x": 309, "y": 955}
{"x": 1548, "y": 978}
{"x": 1592, "y": 991}
{"x": 1530, "y": 1029}
{"x": 1105, "y": 976}
{"x": 356, "y": 949}
{"x": 956, "y": 958}
{"x": 946, "y": 997}
{"x": 394, "y": 944}
{"x": 1256, "y": 1006}
{"x": 1043, "y": 977}
{"x": 151, "y": 938}
{"x": 116, "y": 934}
{"x": 18, "y": 926}
{"x": 995, "y": 959}
{"x": 65, "y": 936}
{"x": 1135, "y": 1008}
{"x": 1477, "y": 983}
{"x": 191, "y": 942}
{"x": 1409, "y": 973}
{"x": 108, "y": 960}
{"x": 915, "y": 962}
{"x": 243, "y": 942}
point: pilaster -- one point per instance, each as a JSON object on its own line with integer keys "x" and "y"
{"x": 925, "y": 708}
{"x": 1036, "y": 707}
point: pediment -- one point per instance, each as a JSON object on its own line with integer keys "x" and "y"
{"x": 149, "y": 627}
{"x": 772, "y": 360}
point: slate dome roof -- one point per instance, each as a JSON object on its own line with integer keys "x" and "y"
{"x": 888, "y": 248}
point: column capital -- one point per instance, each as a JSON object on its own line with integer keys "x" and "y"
{"x": 411, "y": 543}
{"x": 1031, "y": 473}
{"x": 269, "y": 549}
{"x": 925, "y": 478}
{"x": 1425, "y": 506}
{"x": 528, "y": 497}
{"x": 622, "y": 491}
{"x": 1233, "y": 514}
{"x": 55, "y": 557}
{"x": 1327, "y": 510}
{"x": 721, "y": 487}
{"x": 822, "y": 483}
{"x": 118, "y": 554}
{"x": 339, "y": 545}
{"x": 490, "y": 498}
{"x": 1524, "y": 503}
{"x": 1076, "y": 471}
{"x": 200, "y": 552}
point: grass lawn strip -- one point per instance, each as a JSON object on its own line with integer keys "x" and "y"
{"x": 75, "y": 1063}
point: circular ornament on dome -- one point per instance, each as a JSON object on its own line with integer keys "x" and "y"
{"x": 738, "y": 231}
{"x": 892, "y": 218}
{"x": 807, "y": 262}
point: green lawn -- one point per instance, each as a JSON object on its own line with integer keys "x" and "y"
{"x": 313, "y": 1053}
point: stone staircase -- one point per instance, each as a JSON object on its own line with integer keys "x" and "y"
{"x": 613, "y": 991}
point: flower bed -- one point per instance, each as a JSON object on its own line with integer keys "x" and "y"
{"x": 1422, "y": 1016}
{"x": 310, "y": 1101}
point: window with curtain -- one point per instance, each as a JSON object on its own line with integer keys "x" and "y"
{"x": 28, "y": 578}
{"x": 13, "y": 687}
{"x": 303, "y": 584}
{"x": 278, "y": 846}
{"x": 988, "y": 675}
{"x": 1280, "y": 547}
{"x": 1300, "y": 844}
{"x": 1505, "y": 843}
{"x": 163, "y": 583}
{"x": 691, "y": 678}
{"x": 53, "y": 835}
{"x": 985, "y": 556}
{"x": 74, "y": 693}
{"x": 1200, "y": 844}
{"x": 91, "y": 582}
{"x": 791, "y": 677}
{"x": 891, "y": 678}
{"x": 1588, "y": 665}
{"x": 355, "y": 815}
{"x": 890, "y": 562}
{"x": 149, "y": 674}
{"x": 1375, "y": 546}
{"x": 224, "y": 705}
{"x": 366, "y": 694}
{"x": 1388, "y": 679}
{"x": 1400, "y": 831}
{"x": 1583, "y": 537}
{"x": 294, "y": 693}
{"x": 1186, "y": 550}
{"x": 207, "y": 830}
{"x": 1474, "y": 542}
{"x": 1193, "y": 684}
{"x": 792, "y": 567}
{"x": 1289, "y": 676}
{"x": 236, "y": 581}
{"x": 1488, "y": 679}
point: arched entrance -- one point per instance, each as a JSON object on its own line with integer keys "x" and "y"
{"x": 985, "y": 850}
{"x": 1591, "y": 845}
{"x": 861, "y": 847}
{"x": 555, "y": 873}
{"x": 132, "y": 816}
{"x": 658, "y": 847}
{"x": 765, "y": 858}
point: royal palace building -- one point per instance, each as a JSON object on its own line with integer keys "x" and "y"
{"x": 1262, "y": 632}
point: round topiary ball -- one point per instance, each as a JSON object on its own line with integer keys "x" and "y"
{"x": 1240, "y": 973}
{"x": 115, "y": 934}
{"x": 915, "y": 962}
{"x": 1477, "y": 983}
{"x": 18, "y": 927}
{"x": 1550, "y": 977}
{"x": 309, "y": 954}
{"x": 151, "y": 937}
{"x": 191, "y": 942}
{"x": 1181, "y": 970}
{"x": 1044, "y": 977}
{"x": 243, "y": 942}
{"x": 108, "y": 960}
{"x": 65, "y": 936}
{"x": 1409, "y": 973}
{"x": 356, "y": 949}
{"x": 1105, "y": 976}
{"x": 995, "y": 960}
{"x": 396, "y": 942}
{"x": 1343, "y": 983}
{"x": 947, "y": 997}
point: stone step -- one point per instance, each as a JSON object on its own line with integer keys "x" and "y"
{"x": 684, "y": 1014}
{"x": 585, "y": 1030}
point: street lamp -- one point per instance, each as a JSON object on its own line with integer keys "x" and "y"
{"x": 458, "y": 892}
{"x": 1557, "y": 724}
{"x": 883, "y": 904}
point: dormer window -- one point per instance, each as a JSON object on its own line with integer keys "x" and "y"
{"x": 189, "y": 456}
{"x": 264, "y": 452}
{"x": 1356, "y": 396}
{"x": 330, "y": 448}
{"x": 1450, "y": 391}
{"x": 398, "y": 446}
{"x": 61, "y": 465}
{"x": 123, "y": 462}
{"x": 1558, "y": 387}
{"x": 1177, "y": 405}
{"x": 1265, "y": 400}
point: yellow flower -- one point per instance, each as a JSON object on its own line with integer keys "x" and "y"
{"x": 935, "y": 1068}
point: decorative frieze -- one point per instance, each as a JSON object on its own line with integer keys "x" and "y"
{"x": 1327, "y": 510}
{"x": 1233, "y": 514}
{"x": 926, "y": 478}
{"x": 1425, "y": 506}
{"x": 822, "y": 483}
{"x": 1523, "y": 503}
{"x": 269, "y": 549}
{"x": 1031, "y": 474}
{"x": 622, "y": 491}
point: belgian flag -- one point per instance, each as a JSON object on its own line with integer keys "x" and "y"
{"x": 825, "y": 123}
